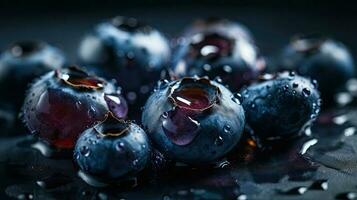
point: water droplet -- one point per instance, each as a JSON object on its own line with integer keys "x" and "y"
{"x": 218, "y": 79}
{"x": 117, "y": 105}
{"x": 207, "y": 67}
{"x": 242, "y": 197}
{"x": 340, "y": 119}
{"x": 180, "y": 128}
{"x": 25, "y": 196}
{"x": 343, "y": 98}
{"x": 347, "y": 196}
{"x": 237, "y": 98}
{"x": 85, "y": 151}
{"x": 291, "y": 73}
{"x": 295, "y": 85}
{"x": 314, "y": 83}
{"x": 165, "y": 115}
{"x": 267, "y": 77}
{"x": 296, "y": 191}
{"x": 349, "y": 131}
{"x": 131, "y": 96}
{"x": 227, "y": 128}
{"x": 319, "y": 185}
{"x": 227, "y": 68}
{"x": 306, "y": 92}
{"x": 219, "y": 141}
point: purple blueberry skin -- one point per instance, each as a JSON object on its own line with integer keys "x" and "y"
{"x": 127, "y": 50}
{"x": 281, "y": 108}
{"x": 20, "y": 64}
{"x": 238, "y": 65}
{"x": 58, "y": 112}
{"x": 112, "y": 157}
{"x": 321, "y": 59}
{"x": 210, "y": 141}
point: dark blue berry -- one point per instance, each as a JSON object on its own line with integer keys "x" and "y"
{"x": 280, "y": 109}
{"x": 63, "y": 103}
{"x": 20, "y": 64}
{"x": 324, "y": 59}
{"x": 131, "y": 52}
{"x": 193, "y": 120}
{"x": 219, "y": 48}
{"x": 112, "y": 149}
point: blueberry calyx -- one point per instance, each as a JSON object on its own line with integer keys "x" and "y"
{"x": 195, "y": 94}
{"x": 78, "y": 78}
{"x": 211, "y": 46}
{"x": 112, "y": 126}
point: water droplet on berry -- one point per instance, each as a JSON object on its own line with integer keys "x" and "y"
{"x": 219, "y": 141}
{"x": 227, "y": 128}
{"x": 306, "y": 92}
{"x": 85, "y": 151}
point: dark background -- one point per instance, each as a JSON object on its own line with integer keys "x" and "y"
{"x": 272, "y": 22}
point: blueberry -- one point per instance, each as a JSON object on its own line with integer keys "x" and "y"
{"x": 131, "y": 52}
{"x": 193, "y": 120}
{"x": 322, "y": 59}
{"x": 21, "y": 63}
{"x": 63, "y": 103}
{"x": 219, "y": 48}
{"x": 279, "y": 109}
{"x": 112, "y": 150}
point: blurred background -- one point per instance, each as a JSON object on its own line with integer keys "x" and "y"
{"x": 271, "y": 22}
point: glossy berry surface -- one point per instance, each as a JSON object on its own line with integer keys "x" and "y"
{"x": 131, "y": 52}
{"x": 112, "y": 149}
{"x": 63, "y": 103}
{"x": 220, "y": 49}
{"x": 20, "y": 64}
{"x": 193, "y": 120}
{"x": 322, "y": 59}
{"x": 280, "y": 109}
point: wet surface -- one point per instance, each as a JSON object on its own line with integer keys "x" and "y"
{"x": 323, "y": 164}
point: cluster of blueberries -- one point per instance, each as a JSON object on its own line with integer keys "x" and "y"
{"x": 194, "y": 104}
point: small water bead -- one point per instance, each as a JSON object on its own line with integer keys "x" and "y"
{"x": 117, "y": 105}
{"x": 291, "y": 73}
{"x": 242, "y": 197}
{"x": 267, "y": 77}
{"x": 237, "y": 98}
{"x": 343, "y": 98}
{"x": 85, "y": 151}
{"x": 296, "y": 191}
{"x": 286, "y": 87}
{"x": 347, "y": 196}
{"x": 227, "y": 128}
{"x": 295, "y": 85}
{"x": 340, "y": 119}
{"x": 25, "y": 196}
{"x": 314, "y": 83}
{"x": 306, "y": 92}
{"x": 180, "y": 128}
{"x": 319, "y": 185}
{"x": 219, "y": 141}
{"x": 207, "y": 67}
{"x": 227, "y": 69}
{"x": 218, "y": 79}
{"x": 349, "y": 131}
